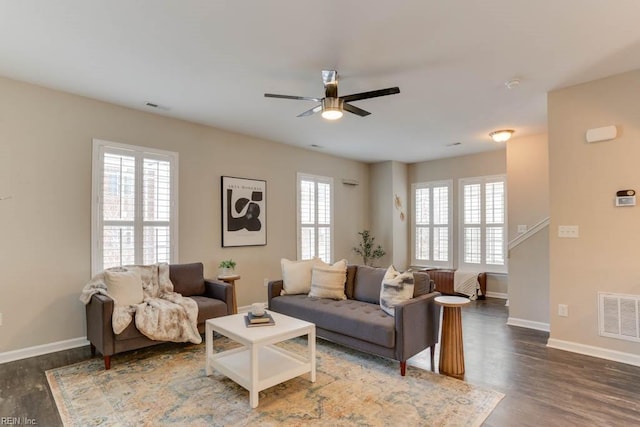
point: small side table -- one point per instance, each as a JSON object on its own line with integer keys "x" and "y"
{"x": 451, "y": 346}
{"x": 232, "y": 281}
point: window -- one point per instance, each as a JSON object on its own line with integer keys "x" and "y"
{"x": 431, "y": 242}
{"x": 315, "y": 217}
{"x": 483, "y": 224}
{"x": 134, "y": 209}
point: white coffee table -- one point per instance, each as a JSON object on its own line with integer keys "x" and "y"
{"x": 258, "y": 364}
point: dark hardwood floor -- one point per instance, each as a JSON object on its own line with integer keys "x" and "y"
{"x": 543, "y": 386}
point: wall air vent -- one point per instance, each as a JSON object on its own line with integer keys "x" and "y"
{"x": 157, "y": 106}
{"x": 619, "y": 316}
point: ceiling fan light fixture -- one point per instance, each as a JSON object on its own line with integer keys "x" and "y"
{"x": 331, "y": 114}
{"x": 501, "y": 135}
{"x": 332, "y": 108}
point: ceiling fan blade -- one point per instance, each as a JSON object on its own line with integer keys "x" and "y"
{"x": 355, "y": 110}
{"x": 302, "y": 98}
{"x": 371, "y": 94}
{"x": 315, "y": 109}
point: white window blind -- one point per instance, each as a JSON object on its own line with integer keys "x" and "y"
{"x": 315, "y": 217}
{"x": 483, "y": 224}
{"x": 432, "y": 224}
{"x": 134, "y": 209}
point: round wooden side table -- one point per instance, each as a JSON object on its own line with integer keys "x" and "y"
{"x": 451, "y": 346}
{"x": 232, "y": 281}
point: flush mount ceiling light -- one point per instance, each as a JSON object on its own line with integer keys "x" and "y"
{"x": 512, "y": 84}
{"x": 501, "y": 135}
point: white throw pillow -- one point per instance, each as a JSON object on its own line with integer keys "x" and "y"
{"x": 125, "y": 287}
{"x": 396, "y": 288}
{"x": 327, "y": 281}
{"x": 296, "y": 276}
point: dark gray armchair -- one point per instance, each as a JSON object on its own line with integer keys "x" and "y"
{"x": 214, "y": 299}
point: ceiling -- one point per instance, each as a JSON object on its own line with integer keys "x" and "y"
{"x": 211, "y": 62}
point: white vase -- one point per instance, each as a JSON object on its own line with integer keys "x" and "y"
{"x": 226, "y": 271}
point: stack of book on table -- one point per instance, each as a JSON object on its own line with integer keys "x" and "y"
{"x": 252, "y": 320}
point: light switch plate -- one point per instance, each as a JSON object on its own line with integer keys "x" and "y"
{"x": 568, "y": 231}
{"x": 522, "y": 228}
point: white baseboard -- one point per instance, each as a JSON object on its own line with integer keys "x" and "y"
{"x": 39, "y": 350}
{"x": 523, "y": 323}
{"x": 602, "y": 353}
{"x": 497, "y": 295}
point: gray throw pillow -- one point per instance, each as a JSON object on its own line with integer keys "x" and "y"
{"x": 366, "y": 287}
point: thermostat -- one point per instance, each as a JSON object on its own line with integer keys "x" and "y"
{"x": 626, "y": 201}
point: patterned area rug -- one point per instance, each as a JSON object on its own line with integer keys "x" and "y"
{"x": 170, "y": 387}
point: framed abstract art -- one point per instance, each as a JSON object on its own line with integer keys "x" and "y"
{"x": 244, "y": 211}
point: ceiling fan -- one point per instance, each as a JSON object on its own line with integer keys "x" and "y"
{"x": 332, "y": 105}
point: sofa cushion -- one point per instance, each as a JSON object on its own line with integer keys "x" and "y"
{"x": 187, "y": 279}
{"x": 357, "y": 319}
{"x": 396, "y": 288}
{"x": 296, "y": 275}
{"x": 125, "y": 287}
{"x": 327, "y": 281}
{"x": 208, "y": 308}
{"x": 130, "y": 332}
{"x": 422, "y": 284}
{"x": 351, "y": 278}
{"x": 366, "y": 286}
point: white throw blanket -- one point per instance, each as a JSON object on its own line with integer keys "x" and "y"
{"x": 466, "y": 283}
{"x": 164, "y": 315}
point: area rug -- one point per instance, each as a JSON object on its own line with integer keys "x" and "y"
{"x": 170, "y": 387}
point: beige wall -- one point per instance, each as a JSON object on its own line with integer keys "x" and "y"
{"x": 45, "y": 165}
{"x": 401, "y": 256}
{"x": 381, "y": 214}
{"x": 454, "y": 168}
{"x": 389, "y": 179}
{"x": 584, "y": 179}
{"x": 528, "y": 200}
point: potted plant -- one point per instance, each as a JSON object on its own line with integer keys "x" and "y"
{"x": 227, "y": 267}
{"x": 366, "y": 249}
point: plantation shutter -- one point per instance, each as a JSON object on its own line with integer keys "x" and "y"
{"x": 315, "y": 217}
{"x": 483, "y": 224}
{"x": 432, "y": 224}
{"x": 134, "y": 206}
{"x": 156, "y": 203}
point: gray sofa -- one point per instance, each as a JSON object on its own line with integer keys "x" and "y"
{"x": 214, "y": 299}
{"x": 359, "y": 322}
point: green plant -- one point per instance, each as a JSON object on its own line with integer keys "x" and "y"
{"x": 229, "y": 263}
{"x": 366, "y": 248}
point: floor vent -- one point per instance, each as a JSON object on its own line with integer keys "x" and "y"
{"x": 619, "y": 316}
